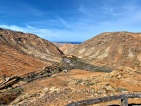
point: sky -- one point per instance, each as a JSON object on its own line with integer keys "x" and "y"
{"x": 70, "y": 20}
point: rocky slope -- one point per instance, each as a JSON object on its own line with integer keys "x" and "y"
{"x": 64, "y": 88}
{"x": 13, "y": 62}
{"x": 66, "y": 48}
{"x": 31, "y": 44}
{"x": 21, "y": 53}
{"x": 112, "y": 49}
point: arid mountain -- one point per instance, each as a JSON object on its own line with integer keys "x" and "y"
{"x": 66, "y": 48}
{"x": 57, "y": 84}
{"x": 13, "y": 62}
{"x": 22, "y": 53}
{"x": 31, "y": 44}
{"x": 112, "y": 49}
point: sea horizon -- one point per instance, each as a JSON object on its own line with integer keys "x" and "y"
{"x": 69, "y": 42}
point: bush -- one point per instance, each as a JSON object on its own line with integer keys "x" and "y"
{"x": 121, "y": 89}
{"x": 18, "y": 90}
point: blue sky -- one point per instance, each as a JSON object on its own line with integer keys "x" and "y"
{"x": 70, "y": 20}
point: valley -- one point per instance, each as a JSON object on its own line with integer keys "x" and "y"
{"x": 37, "y": 72}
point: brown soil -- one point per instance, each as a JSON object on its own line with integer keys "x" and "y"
{"x": 76, "y": 85}
{"x": 14, "y": 62}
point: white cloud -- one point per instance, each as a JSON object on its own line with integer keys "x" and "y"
{"x": 52, "y": 35}
{"x": 12, "y": 27}
{"x": 44, "y": 33}
{"x": 85, "y": 10}
{"x": 64, "y": 22}
{"x": 82, "y": 9}
{"x": 124, "y": 17}
{"x": 34, "y": 11}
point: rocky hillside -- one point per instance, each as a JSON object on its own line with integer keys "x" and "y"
{"x": 67, "y": 81}
{"x": 22, "y": 53}
{"x": 31, "y": 44}
{"x": 13, "y": 62}
{"x": 112, "y": 49}
{"x": 66, "y": 48}
{"x": 64, "y": 88}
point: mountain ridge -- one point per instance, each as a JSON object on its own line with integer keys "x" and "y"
{"x": 21, "y": 53}
{"x": 60, "y": 84}
{"x": 30, "y": 44}
{"x": 112, "y": 49}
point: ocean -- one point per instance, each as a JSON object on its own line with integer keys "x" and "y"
{"x": 71, "y": 42}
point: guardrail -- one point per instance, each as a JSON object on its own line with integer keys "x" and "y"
{"x": 122, "y": 97}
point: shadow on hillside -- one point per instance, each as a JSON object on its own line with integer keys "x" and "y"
{"x": 128, "y": 105}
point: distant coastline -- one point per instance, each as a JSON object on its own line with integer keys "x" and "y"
{"x": 70, "y": 42}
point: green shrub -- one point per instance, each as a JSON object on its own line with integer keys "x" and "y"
{"x": 121, "y": 89}
{"x": 16, "y": 90}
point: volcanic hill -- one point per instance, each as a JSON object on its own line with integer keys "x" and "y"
{"x": 112, "y": 49}
{"x": 21, "y": 53}
{"x": 30, "y": 44}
